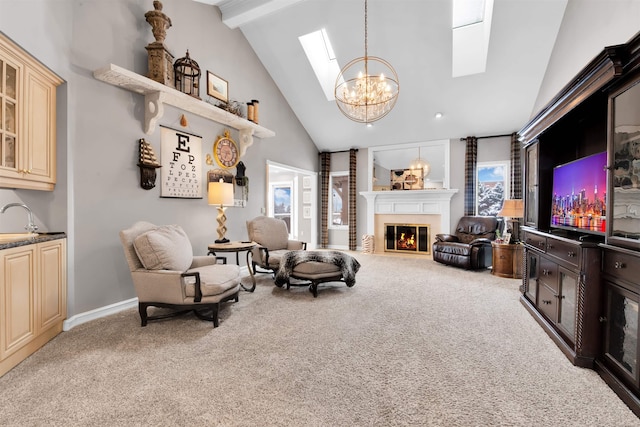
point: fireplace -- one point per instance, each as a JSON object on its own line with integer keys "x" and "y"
{"x": 411, "y": 238}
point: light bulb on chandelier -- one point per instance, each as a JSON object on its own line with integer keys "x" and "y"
{"x": 369, "y": 95}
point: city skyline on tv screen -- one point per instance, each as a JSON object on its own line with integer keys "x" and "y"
{"x": 587, "y": 173}
{"x": 579, "y": 194}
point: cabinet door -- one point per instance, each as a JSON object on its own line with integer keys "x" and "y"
{"x": 16, "y": 299}
{"x": 531, "y": 186}
{"x": 567, "y": 302}
{"x": 532, "y": 260}
{"x": 621, "y": 334}
{"x": 52, "y": 298}
{"x": 623, "y": 197}
{"x": 548, "y": 302}
{"x": 39, "y": 159}
{"x": 10, "y": 77}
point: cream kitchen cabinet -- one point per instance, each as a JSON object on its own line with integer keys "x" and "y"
{"x": 33, "y": 298}
{"x": 27, "y": 120}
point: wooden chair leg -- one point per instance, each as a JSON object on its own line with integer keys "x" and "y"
{"x": 142, "y": 309}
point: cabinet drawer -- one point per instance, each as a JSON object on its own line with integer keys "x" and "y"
{"x": 535, "y": 240}
{"x": 565, "y": 251}
{"x": 548, "y": 273}
{"x": 620, "y": 265}
{"x": 548, "y": 302}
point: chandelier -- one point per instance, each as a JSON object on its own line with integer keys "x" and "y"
{"x": 367, "y": 87}
{"x": 420, "y": 163}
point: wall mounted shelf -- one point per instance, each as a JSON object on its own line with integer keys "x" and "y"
{"x": 156, "y": 95}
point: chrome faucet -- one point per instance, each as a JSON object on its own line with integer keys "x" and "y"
{"x": 31, "y": 227}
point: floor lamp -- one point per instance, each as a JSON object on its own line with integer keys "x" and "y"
{"x": 221, "y": 195}
{"x": 514, "y": 210}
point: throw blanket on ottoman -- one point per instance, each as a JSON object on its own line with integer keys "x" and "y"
{"x": 347, "y": 264}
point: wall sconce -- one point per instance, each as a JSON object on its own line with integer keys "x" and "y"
{"x": 147, "y": 164}
{"x": 221, "y": 195}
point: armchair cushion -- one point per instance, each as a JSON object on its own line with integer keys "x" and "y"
{"x": 213, "y": 281}
{"x": 164, "y": 248}
{"x": 269, "y": 233}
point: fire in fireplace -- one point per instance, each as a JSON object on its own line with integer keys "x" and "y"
{"x": 413, "y": 238}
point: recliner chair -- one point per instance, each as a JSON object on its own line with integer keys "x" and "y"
{"x": 470, "y": 246}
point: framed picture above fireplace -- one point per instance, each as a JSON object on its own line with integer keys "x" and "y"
{"x": 407, "y": 179}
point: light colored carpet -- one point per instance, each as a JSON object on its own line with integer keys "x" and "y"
{"x": 412, "y": 343}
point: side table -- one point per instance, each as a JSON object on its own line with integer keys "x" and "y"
{"x": 507, "y": 260}
{"x": 237, "y": 247}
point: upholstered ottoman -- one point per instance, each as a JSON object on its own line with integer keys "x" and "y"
{"x": 316, "y": 267}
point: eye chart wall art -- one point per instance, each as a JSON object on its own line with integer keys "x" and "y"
{"x": 181, "y": 164}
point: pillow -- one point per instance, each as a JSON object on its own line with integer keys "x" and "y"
{"x": 164, "y": 248}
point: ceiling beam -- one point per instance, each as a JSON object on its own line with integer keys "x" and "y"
{"x": 236, "y": 13}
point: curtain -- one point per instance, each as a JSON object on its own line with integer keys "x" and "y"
{"x": 325, "y": 170}
{"x": 516, "y": 168}
{"x": 471, "y": 159}
{"x": 352, "y": 198}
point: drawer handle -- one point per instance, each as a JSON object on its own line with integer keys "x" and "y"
{"x": 571, "y": 254}
{"x": 502, "y": 257}
{"x": 544, "y": 301}
{"x": 546, "y": 272}
{"x": 619, "y": 265}
{"x": 549, "y": 246}
{"x": 602, "y": 319}
{"x": 541, "y": 244}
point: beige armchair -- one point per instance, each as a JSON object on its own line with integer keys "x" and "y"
{"x": 166, "y": 274}
{"x": 272, "y": 237}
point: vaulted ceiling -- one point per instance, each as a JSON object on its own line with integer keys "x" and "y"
{"x": 415, "y": 36}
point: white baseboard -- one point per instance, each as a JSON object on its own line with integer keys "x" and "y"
{"x": 107, "y": 310}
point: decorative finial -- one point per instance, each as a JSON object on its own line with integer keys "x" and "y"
{"x": 159, "y": 22}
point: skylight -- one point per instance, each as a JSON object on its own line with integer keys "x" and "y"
{"x": 471, "y": 27}
{"x": 467, "y": 12}
{"x": 322, "y": 59}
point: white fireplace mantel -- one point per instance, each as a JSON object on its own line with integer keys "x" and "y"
{"x": 411, "y": 202}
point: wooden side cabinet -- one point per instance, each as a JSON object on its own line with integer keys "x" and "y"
{"x": 561, "y": 289}
{"x": 28, "y": 131}
{"x": 506, "y": 260}
{"x": 33, "y": 298}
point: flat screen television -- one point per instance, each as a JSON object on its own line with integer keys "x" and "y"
{"x": 579, "y": 195}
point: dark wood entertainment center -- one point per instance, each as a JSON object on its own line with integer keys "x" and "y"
{"x": 583, "y": 288}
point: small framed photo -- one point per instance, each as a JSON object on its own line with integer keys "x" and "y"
{"x": 306, "y": 212}
{"x": 306, "y": 182}
{"x": 306, "y": 197}
{"x": 507, "y": 238}
{"x": 217, "y": 87}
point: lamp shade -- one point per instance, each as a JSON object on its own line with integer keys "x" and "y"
{"x": 221, "y": 193}
{"x": 512, "y": 208}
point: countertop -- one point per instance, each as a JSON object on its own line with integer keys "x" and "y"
{"x": 42, "y": 237}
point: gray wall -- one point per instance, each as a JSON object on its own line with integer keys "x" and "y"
{"x": 587, "y": 27}
{"x": 98, "y": 191}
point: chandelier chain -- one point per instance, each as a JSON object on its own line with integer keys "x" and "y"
{"x": 365, "y": 30}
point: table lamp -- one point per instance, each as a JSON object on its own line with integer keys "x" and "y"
{"x": 221, "y": 195}
{"x": 513, "y": 208}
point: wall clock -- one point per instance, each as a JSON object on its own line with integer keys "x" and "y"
{"x": 225, "y": 151}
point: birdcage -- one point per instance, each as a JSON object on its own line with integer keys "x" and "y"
{"x": 187, "y": 76}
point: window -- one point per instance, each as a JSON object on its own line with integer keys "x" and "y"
{"x": 281, "y": 205}
{"x": 492, "y": 180}
{"x": 339, "y": 200}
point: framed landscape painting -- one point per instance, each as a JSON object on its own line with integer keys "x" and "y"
{"x": 217, "y": 87}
